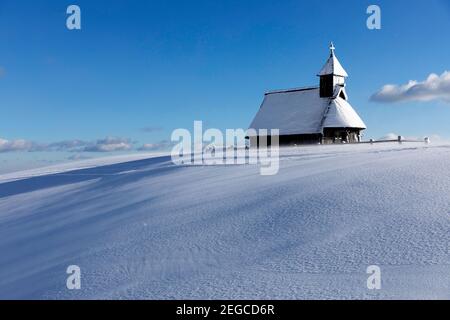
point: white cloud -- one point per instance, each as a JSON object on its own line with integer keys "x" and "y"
{"x": 25, "y": 145}
{"x": 102, "y": 145}
{"x": 109, "y": 145}
{"x": 67, "y": 145}
{"x": 435, "y": 87}
{"x": 15, "y": 145}
{"x": 159, "y": 146}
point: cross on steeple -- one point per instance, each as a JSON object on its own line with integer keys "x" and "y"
{"x": 332, "y": 48}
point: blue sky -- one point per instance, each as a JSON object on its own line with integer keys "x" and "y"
{"x": 161, "y": 65}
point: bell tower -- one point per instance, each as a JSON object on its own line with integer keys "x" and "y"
{"x": 331, "y": 75}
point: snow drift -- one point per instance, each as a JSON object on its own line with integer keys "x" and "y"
{"x": 151, "y": 230}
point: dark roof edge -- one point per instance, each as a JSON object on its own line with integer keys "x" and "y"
{"x": 291, "y": 90}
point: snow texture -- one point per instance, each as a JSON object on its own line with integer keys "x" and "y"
{"x": 148, "y": 229}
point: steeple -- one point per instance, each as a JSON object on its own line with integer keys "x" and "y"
{"x": 333, "y": 66}
{"x": 331, "y": 75}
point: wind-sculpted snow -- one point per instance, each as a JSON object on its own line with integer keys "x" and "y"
{"x": 151, "y": 230}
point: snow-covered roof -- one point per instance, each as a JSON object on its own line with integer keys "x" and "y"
{"x": 292, "y": 112}
{"x": 333, "y": 66}
{"x": 342, "y": 115}
{"x": 303, "y": 111}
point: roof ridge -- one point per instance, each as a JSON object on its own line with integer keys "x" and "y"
{"x": 292, "y": 90}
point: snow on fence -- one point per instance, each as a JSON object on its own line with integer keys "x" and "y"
{"x": 400, "y": 140}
